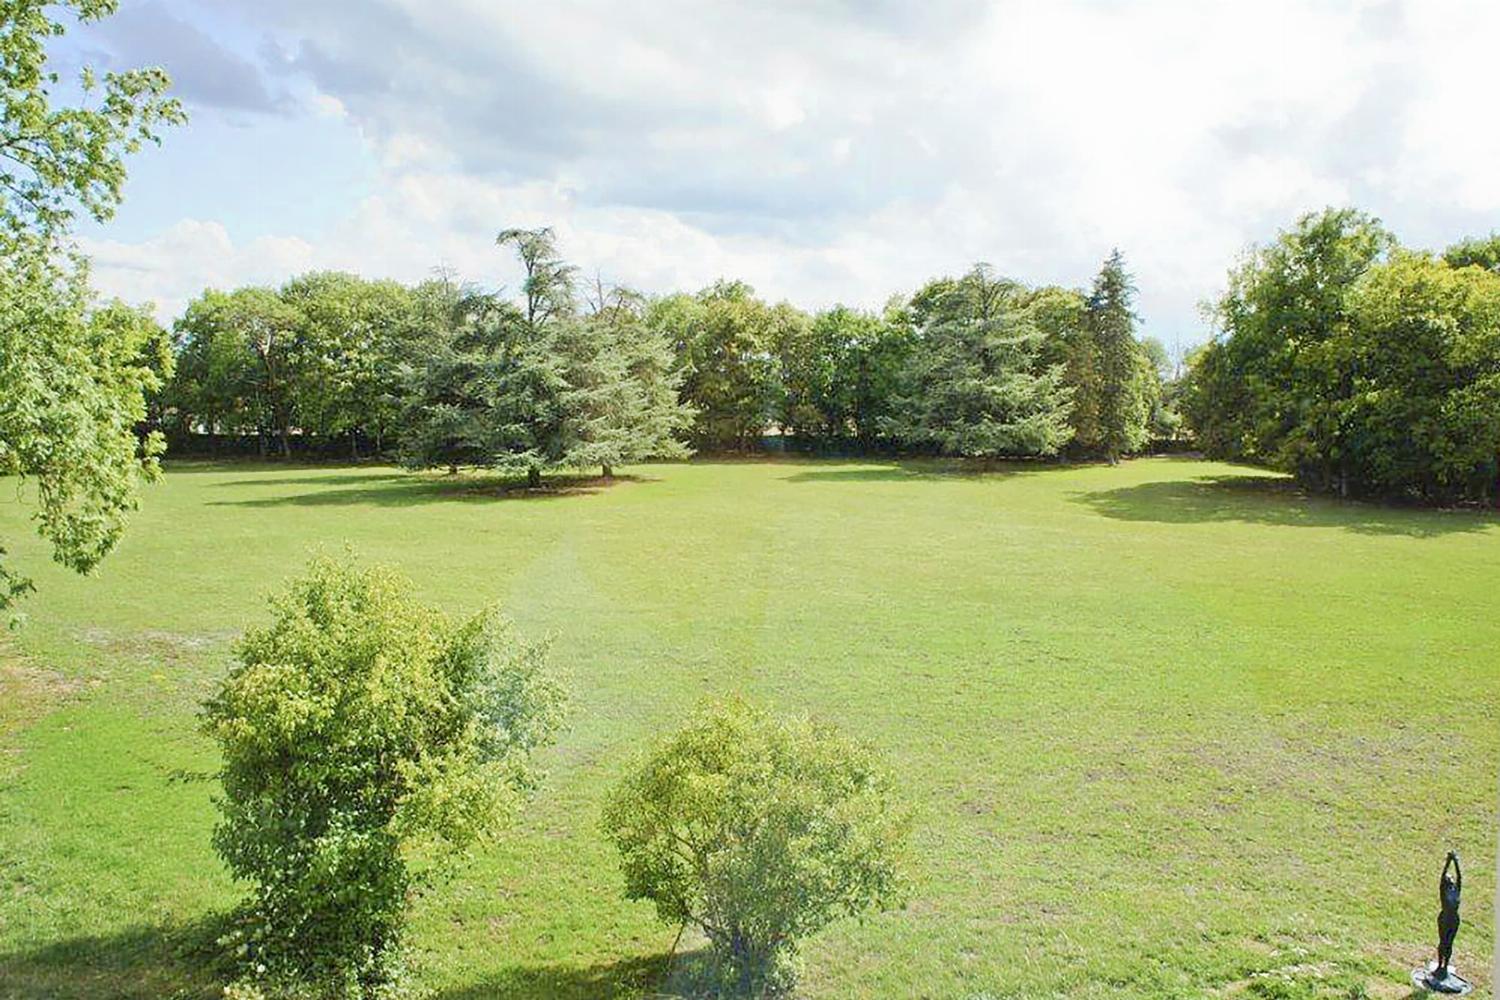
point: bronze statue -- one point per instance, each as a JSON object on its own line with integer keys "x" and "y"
{"x": 1439, "y": 977}
{"x": 1449, "y": 890}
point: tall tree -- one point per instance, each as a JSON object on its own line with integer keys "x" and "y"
{"x": 1278, "y": 383}
{"x": 550, "y": 284}
{"x": 457, "y": 340}
{"x": 869, "y": 370}
{"x": 625, "y": 383}
{"x": 536, "y": 410}
{"x": 212, "y": 388}
{"x": 71, "y": 388}
{"x": 724, "y": 339}
{"x": 972, "y": 386}
{"x": 542, "y": 386}
{"x": 268, "y": 328}
{"x": 1061, "y": 317}
{"x": 1124, "y": 407}
{"x": 345, "y": 364}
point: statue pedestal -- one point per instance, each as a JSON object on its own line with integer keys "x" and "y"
{"x": 1450, "y": 983}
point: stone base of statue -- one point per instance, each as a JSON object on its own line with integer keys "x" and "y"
{"x": 1450, "y": 982}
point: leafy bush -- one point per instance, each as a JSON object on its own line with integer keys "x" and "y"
{"x": 759, "y": 831}
{"x": 365, "y": 738}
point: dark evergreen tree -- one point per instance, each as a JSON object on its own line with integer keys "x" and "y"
{"x": 631, "y": 412}
{"x": 973, "y": 384}
{"x": 541, "y": 386}
{"x": 456, "y": 342}
{"x": 1123, "y": 404}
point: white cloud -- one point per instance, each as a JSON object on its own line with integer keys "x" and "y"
{"x": 846, "y": 150}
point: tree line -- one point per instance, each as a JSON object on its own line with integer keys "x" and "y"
{"x": 576, "y": 374}
{"x": 1361, "y": 367}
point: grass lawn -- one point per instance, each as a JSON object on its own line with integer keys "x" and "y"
{"x": 1170, "y": 729}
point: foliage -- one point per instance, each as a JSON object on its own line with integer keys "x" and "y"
{"x": 839, "y": 374}
{"x": 724, "y": 338}
{"x": 446, "y": 388}
{"x": 1479, "y": 252}
{"x": 321, "y": 355}
{"x": 545, "y": 387}
{"x": 364, "y": 735}
{"x": 1280, "y": 357}
{"x": 1358, "y": 368}
{"x": 1423, "y": 419}
{"x": 625, "y": 379}
{"x": 759, "y": 831}
{"x": 74, "y": 379}
{"x": 71, "y": 378}
{"x": 1125, "y": 375}
{"x": 1060, "y": 315}
{"x": 346, "y": 356}
{"x": 549, "y": 285}
{"x": 975, "y": 384}
{"x": 58, "y": 161}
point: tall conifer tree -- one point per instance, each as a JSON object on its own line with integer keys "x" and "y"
{"x": 1123, "y": 406}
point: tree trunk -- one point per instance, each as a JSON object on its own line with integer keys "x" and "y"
{"x": 534, "y": 477}
{"x": 609, "y": 473}
{"x": 286, "y": 441}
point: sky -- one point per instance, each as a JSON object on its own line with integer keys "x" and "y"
{"x": 825, "y": 151}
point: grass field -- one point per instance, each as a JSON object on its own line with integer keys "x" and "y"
{"x": 1170, "y": 729}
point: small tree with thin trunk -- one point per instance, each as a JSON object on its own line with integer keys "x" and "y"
{"x": 759, "y": 831}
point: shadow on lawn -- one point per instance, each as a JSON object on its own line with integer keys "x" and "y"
{"x": 1250, "y": 499}
{"x": 932, "y": 470}
{"x": 328, "y": 479}
{"x": 182, "y": 962}
{"x": 407, "y": 490}
{"x": 637, "y": 977}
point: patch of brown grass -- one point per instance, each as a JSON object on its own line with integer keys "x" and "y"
{"x": 27, "y": 692}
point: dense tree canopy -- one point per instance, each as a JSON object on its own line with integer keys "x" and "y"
{"x": 455, "y": 375}
{"x": 1360, "y": 368}
{"x": 540, "y": 387}
{"x": 725, "y": 339}
{"x": 1483, "y": 253}
{"x": 976, "y": 383}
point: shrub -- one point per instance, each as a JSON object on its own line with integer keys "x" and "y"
{"x": 759, "y": 831}
{"x": 365, "y": 738}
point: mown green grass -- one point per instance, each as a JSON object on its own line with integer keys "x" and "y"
{"x": 1170, "y": 729}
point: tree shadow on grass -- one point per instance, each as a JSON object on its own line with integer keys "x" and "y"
{"x": 196, "y": 465}
{"x": 638, "y": 977}
{"x": 1251, "y": 499}
{"x": 408, "y": 490}
{"x": 919, "y": 470}
{"x": 327, "y": 479}
{"x": 172, "y": 962}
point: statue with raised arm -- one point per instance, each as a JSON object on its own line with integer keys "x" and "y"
{"x": 1439, "y": 977}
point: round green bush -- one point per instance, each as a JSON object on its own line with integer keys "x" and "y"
{"x": 365, "y": 737}
{"x": 759, "y": 831}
